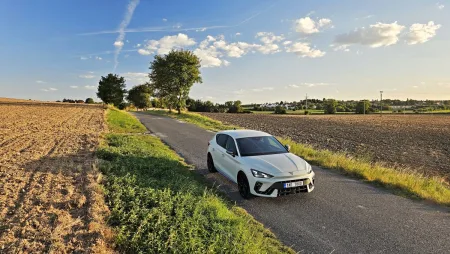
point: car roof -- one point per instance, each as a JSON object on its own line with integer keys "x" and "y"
{"x": 244, "y": 133}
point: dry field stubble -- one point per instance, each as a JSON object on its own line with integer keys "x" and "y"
{"x": 49, "y": 198}
{"x": 419, "y": 142}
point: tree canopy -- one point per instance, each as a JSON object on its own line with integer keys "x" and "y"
{"x": 89, "y": 101}
{"x": 330, "y": 106}
{"x": 362, "y": 107}
{"x": 111, "y": 89}
{"x": 140, "y": 96}
{"x": 173, "y": 75}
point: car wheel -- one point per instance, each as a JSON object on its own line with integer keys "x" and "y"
{"x": 244, "y": 186}
{"x": 210, "y": 163}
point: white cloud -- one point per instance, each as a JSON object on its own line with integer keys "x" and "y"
{"x": 86, "y": 76}
{"x": 226, "y": 63}
{"x": 84, "y": 58}
{"x": 177, "y": 26}
{"x": 118, "y": 44}
{"x": 123, "y": 25}
{"x": 90, "y": 87}
{"x": 167, "y": 43}
{"x": 377, "y": 35}
{"x": 415, "y": 86}
{"x": 138, "y": 45}
{"x": 98, "y": 58}
{"x": 308, "y": 85}
{"x": 307, "y": 25}
{"x": 421, "y": 33}
{"x": 201, "y": 29}
{"x": 136, "y": 77}
{"x": 50, "y": 89}
{"x": 144, "y": 52}
{"x": 262, "y": 89}
{"x": 287, "y": 43}
{"x": 268, "y": 39}
{"x": 40, "y": 82}
{"x": 440, "y": 6}
{"x": 210, "y": 57}
{"x": 74, "y": 87}
{"x": 164, "y": 20}
{"x": 237, "y": 34}
{"x": 304, "y": 49}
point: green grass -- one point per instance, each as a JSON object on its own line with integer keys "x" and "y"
{"x": 402, "y": 181}
{"x": 120, "y": 122}
{"x": 158, "y": 205}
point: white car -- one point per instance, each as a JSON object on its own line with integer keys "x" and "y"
{"x": 259, "y": 164}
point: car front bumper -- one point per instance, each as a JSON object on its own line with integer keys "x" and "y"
{"x": 274, "y": 187}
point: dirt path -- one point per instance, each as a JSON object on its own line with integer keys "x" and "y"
{"x": 49, "y": 198}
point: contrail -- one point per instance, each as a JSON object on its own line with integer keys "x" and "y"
{"x": 123, "y": 25}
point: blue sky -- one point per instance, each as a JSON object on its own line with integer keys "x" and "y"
{"x": 255, "y": 50}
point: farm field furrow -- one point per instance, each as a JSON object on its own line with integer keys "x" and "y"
{"x": 418, "y": 142}
{"x": 49, "y": 198}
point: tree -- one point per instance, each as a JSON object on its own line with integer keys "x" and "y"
{"x": 235, "y": 107}
{"x": 330, "y": 106}
{"x": 362, "y": 107}
{"x": 280, "y": 110}
{"x": 89, "y": 101}
{"x": 111, "y": 89}
{"x": 173, "y": 75}
{"x": 140, "y": 96}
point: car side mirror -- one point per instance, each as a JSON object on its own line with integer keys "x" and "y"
{"x": 231, "y": 153}
{"x": 288, "y": 147}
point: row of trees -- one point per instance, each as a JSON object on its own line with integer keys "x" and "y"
{"x": 171, "y": 78}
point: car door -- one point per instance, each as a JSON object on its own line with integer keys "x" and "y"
{"x": 219, "y": 150}
{"x": 230, "y": 162}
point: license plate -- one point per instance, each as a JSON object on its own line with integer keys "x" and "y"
{"x": 293, "y": 184}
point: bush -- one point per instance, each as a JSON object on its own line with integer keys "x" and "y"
{"x": 307, "y": 112}
{"x": 280, "y": 110}
{"x": 123, "y": 105}
{"x": 89, "y": 101}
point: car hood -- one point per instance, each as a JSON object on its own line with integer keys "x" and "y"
{"x": 284, "y": 164}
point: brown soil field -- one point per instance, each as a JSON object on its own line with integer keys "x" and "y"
{"x": 50, "y": 201}
{"x": 418, "y": 142}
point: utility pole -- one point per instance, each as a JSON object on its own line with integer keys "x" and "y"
{"x": 381, "y": 103}
{"x": 364, "y": 107}
{"x": 306, "y": 104}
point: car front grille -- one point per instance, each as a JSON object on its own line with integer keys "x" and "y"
{"x": 280, "y": 187}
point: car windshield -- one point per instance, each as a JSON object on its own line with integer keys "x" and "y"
{"x": 260, "y": 146}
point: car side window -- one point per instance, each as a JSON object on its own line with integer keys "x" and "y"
{"x": 221, "y": 139}
{"x": 231, "y": 145}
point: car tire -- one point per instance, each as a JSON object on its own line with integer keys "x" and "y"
{"x": 210, "y": 164}
{"x": 244, "y": 186}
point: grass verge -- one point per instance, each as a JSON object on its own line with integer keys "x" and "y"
{"x": 119, "y": 122}
{"x": 159, "y": 206}
{"x": 403, "y": 182}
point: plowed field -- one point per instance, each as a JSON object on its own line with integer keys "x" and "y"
{"x": 419, "y": 142}
{"x": 49, "y": 197}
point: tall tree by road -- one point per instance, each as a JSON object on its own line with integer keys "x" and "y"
{"x": 111, "y": 89}
{"x": 173, "y": 75}
{"x": 140, "y": 96}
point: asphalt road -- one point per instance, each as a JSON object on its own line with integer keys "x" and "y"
{"x": 341, "y": 215}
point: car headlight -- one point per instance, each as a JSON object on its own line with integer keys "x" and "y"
{"x": 259, "y": 174}
{"x": 308, "y": 168}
